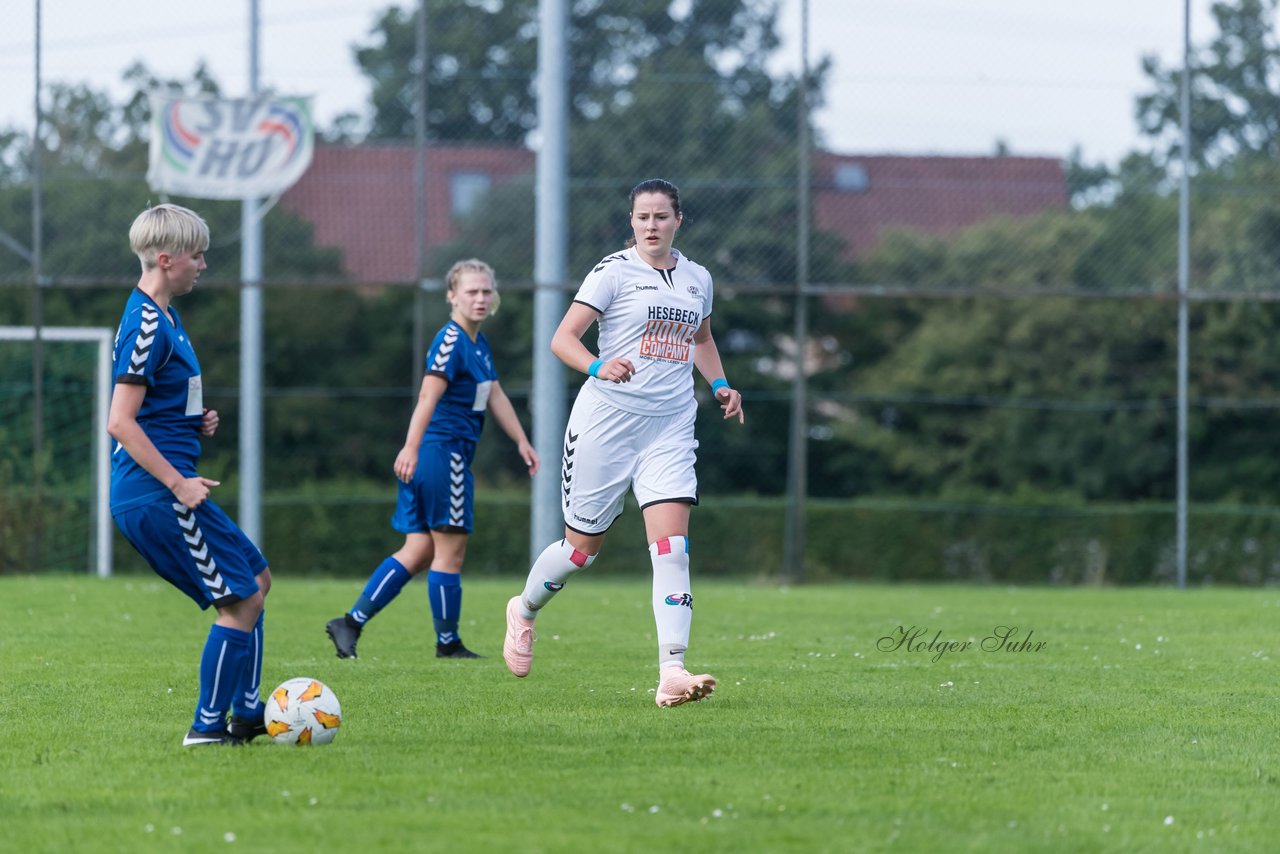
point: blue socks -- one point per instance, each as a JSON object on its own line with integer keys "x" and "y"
{"x": 445, "y": 589}
{"x": 228, "y": 653}
{"x": 384, "y": 585}
{"x": 246, "y": 703}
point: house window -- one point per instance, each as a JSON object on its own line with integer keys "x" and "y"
{"x": 851, "y": 178}
{"x": 466, "y": 189}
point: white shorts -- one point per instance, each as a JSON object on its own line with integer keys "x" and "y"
{"x": 607, "y": 450}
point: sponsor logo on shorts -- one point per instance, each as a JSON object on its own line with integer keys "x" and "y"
{"x": 553, "y": 586}
{"x": 685, "y": 599}
{"x": 584, "y": 520}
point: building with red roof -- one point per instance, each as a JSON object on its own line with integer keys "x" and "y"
{"x": 361, "y": 198}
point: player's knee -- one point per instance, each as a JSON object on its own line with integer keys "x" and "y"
{"x": 416, "y": 560}
{"x": 244, "y": 614}
{"x": 416, "y": 553}
{"x": 589, "y": 544}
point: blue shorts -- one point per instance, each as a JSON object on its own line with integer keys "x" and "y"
{"x": 201, "y": 552}
{"x": 441, "y": 496}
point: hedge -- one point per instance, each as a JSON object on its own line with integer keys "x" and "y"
{"x": 871, "y": 539}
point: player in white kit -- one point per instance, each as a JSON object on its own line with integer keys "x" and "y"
{"x": 632, "y": 427}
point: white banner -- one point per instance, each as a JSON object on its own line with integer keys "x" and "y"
{"x": 228, "y": 148}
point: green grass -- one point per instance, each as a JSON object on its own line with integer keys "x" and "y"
{"x": 1143, "y": 704}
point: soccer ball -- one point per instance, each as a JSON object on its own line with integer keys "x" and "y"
{"x": 303, "y": 711}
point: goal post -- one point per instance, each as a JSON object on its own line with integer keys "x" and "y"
{"x": 99, "y": 501}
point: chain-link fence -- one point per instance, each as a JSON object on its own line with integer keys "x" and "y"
{"x": 990, "y": 363}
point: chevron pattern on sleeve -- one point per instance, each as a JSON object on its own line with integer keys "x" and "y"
{"x": 447, "y": 344}
{"x": 146, "y": 338}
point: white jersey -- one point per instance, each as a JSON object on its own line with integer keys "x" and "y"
{"x": 648, "y": 316}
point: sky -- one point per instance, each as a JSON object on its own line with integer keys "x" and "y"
{"x": 909, "y": 77}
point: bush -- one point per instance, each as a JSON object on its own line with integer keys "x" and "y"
{"x": 869, "y": 539}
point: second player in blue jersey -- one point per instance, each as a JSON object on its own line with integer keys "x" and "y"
{"x": 434, "y": 507}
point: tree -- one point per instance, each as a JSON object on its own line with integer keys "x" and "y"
{"x": 1235, "y": 104}
{"x": 482, "y": 60}
{"x": 686, "y": 95}
{"x": 96, "y": 155}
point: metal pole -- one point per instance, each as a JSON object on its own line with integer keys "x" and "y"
{"x": 102, "y": 526}
{"x": 250, "y": 511}
{"x": 1184, "y": 275}
{"x": 37, "y": 311}
{"x": 420, "y": 199}
{"x": 797, "y": 442}
{"x": 546, "y": 523}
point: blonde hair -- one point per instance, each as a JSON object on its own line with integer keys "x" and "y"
{"x": 473, "y": 265}
{"x": 167, "y": 228}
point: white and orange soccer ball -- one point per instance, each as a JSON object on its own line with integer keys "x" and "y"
{"x": 303, "y": 711}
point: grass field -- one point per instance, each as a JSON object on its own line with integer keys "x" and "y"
{"x": 1146, "y": 721}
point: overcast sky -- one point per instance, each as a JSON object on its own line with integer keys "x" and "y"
{"x": 910, "y": 76}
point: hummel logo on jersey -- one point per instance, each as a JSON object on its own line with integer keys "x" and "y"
{"x": 446, "y": 349}
{"x": 646, "y": 287}
{"x": 685, "y": 599}
{"x": 146, "y": 337}
{"x": 600, "y": 266}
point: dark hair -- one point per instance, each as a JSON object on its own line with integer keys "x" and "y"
{"x": 654, "y": 185}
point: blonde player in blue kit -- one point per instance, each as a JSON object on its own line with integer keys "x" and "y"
{"x": 436, "y": 490}
{"x": 158, "y": 499}
{"x": 632, "y": 426}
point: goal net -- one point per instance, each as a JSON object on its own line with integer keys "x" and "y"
{"x": 55, "y": 483}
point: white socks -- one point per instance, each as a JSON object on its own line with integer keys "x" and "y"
{"x": 556, "y": 565}
{"x": 672, "y": 601}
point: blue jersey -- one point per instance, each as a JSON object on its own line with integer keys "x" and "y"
{"x": 152, "y": 350}
{"x": 468, "y": 368}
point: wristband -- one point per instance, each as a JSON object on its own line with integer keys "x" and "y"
{"x": 594, "y": 369}
{"x": 719, "y": 384}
